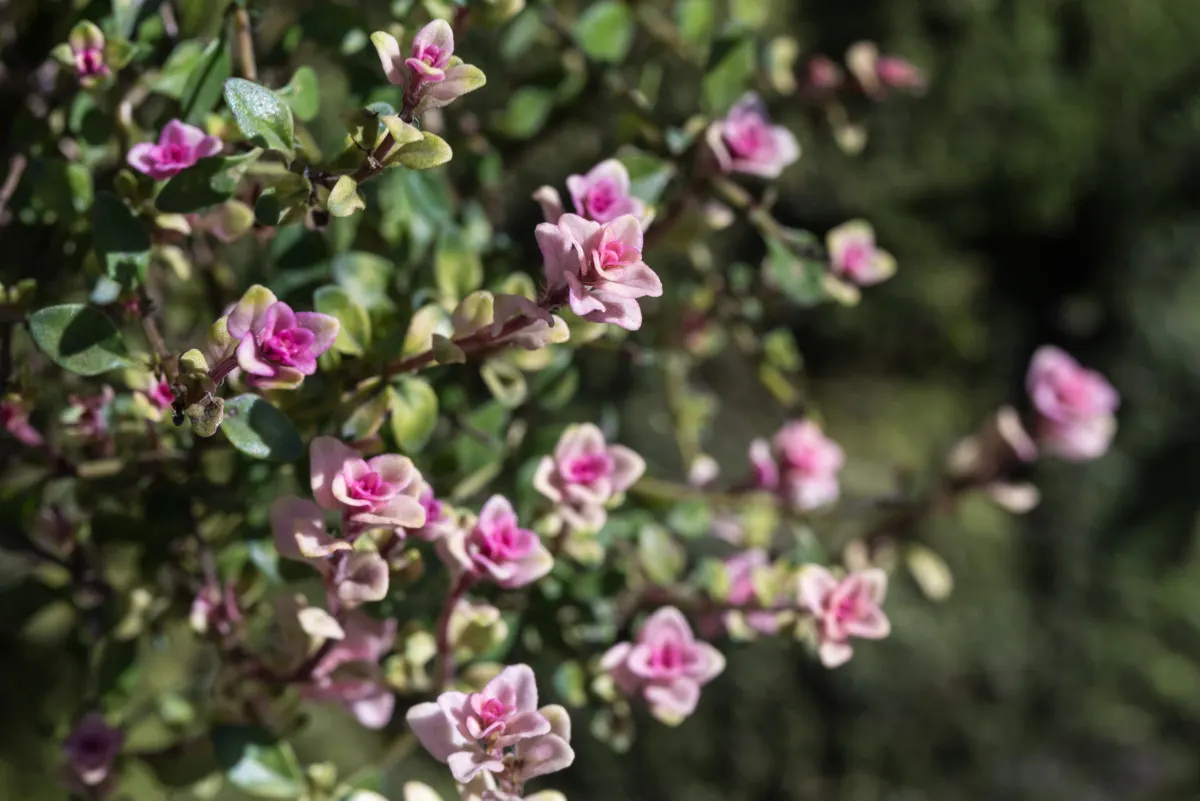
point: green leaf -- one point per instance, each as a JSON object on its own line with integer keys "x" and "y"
{"x": 648, "y": 174}
{"x": 458, "y": 268}
{"x": 211, "y": 181}
{"x": 605, "y": 31}
{"x": 183, "y": 63}
{"x": 506, "y": 382}
{"x": 303, "y": 94}
{"x": 801, "y": 280}
{"x": 258, "y": 429}
{"x": 366, "y": 277}
{"x": 257, "y": 764}
{"x": 661, "y": 557}
{"x": 203, "y": 88}
{"x": 695, "y": 19}
{"x": 120, "y": 241}
{"x": 79, "y": 338}
{"x": 414, "y": 406}
{"x": 729, "y": 80}
{"x": 431, "y": 151}
{"x": 527, "y": 111}
{"x": 367, "y": 419}
{"x": 285, "y": 202}
{"x": 263, "y": 118}
{"x": 354, "y": 336}
{"x": 691, "y": 518}
{"x": 344, "y": 198}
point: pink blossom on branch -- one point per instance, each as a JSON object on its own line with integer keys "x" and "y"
{"x": 584, "y": 474}
{"x": 843, "y": 609}
{"x": 745, "y": 141}
{"x": 350, "y": 674}
{"x": 381, "y": 491}
{"x": 741, "y": 569}
{"x": 179, "y": 146}
{"x": 15, "y": 419}
{"x": 497, "y": 548}
{"x": 277, "y": 347}
{"x": 854, "y": 256}
{"x": 801, "y": 463}
{"x": 87, "y": 50}
{"x": 601, "y": 195}
{"x": 600, "y": 267}
{"x": 1075, "y": 406}
{"x": 494, "y": 730}
{"x": 666, "y": 664}
{"x": 432, "y": 76}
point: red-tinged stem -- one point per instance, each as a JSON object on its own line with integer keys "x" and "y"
{"x": 444, "y": 665}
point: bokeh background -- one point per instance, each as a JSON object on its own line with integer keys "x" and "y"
{"x": 1043, "y": 190}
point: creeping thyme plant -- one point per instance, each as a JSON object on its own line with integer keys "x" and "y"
{"x": 292, "y": 394}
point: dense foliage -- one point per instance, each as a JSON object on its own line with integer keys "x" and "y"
{"x": 373, "y": 370}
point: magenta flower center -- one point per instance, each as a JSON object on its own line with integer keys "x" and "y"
{"x": 432, "y": 507}
{"x": 748, "y": 137}
{"x": 90, "y": 62}
{"x": 1074, "y": 392}
{"x": 285, "y": 347}
{"x": 857, "y": 257}
{"x": 588, "y": 468}
{"x": 803, "y": 460}
{"x": 174, "y": 153}
{"x": 668, "y": 658}
{"x": 601, "y": 199}
{"x": 371, "y": 487}
{"x": 493, "y": 710}
{"x": 847, "y": 608}
{"x": 161, "y": 395}
{"x": 504, "y": 542}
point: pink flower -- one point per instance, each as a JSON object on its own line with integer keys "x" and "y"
{"x": 381, "y": 491}
{"x": 351, "y": 577}
{"x": 801, "y": 462}
{"x": 666, "y": 664}
{"x": 600, "y": 266}
{"x": 854, "y": 256}
{"x": 276, "y": 346}
{"x": 432, "y": 76}
{"x": 496, "y": 547}
{"x": 844, "y": 609}
{"x": 215, "y": 609}
{"x": 746, "y": 141}
{"x": 89, "y": 417}
{"x": 899, "y": 73}
{"x": 472, "y": 732}
{"x": 740, "y": 570}
{"x": 91, "y": 749}
{"x": 1075, "y": 406}
{"x": 15, "y": 419}
{"x": 602, "y": 195}
{"x": 584, "y": 474}
{"x": 179, "y": 146}
{"x": 349, "y": 673}
{"x": 86, "y": 43}
{"x": 440, "y": 519}
{"x": 823, "y": 74}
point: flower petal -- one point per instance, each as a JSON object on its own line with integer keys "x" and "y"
{"x": 434, "y": 730}
{"x": 327, "y": 458}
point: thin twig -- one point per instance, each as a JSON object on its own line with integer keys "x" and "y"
{"x": 245, "y": 44}
{"x": 16, "y": 168}
{"x": 444, "y": 664}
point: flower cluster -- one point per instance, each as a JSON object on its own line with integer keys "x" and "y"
{"x": 667, "y": 665}
{"x": 431, "y": 75}
{"x": 179, "y": 146}
{"x": 801, "y": 463}
{"x": 275, "y": 346}
{"x": 745, "y": 141}
{"x": 496, "y": 739}
{"x": 600, "y": 195}
{"x": 496, "y": 548}
{"x": 599, "y": 266}
{"x": 872, "y": 72}
{"x": 844, "y": 609}
{"x": 584, "y": 474}
{"x": 1075, "y": 406}
{"x": 854, "y": 256}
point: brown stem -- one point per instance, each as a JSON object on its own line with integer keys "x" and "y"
{"x": 16, "y": 168}
{"x": 444, "y": 664}
{"x": 245, "y": 44}
{"x": 155, "y": 338}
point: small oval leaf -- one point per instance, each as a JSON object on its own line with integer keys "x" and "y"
{"x": 258, "y": 429}
{"x": 79, "y": 338}
{"x": 261, "y": 115}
